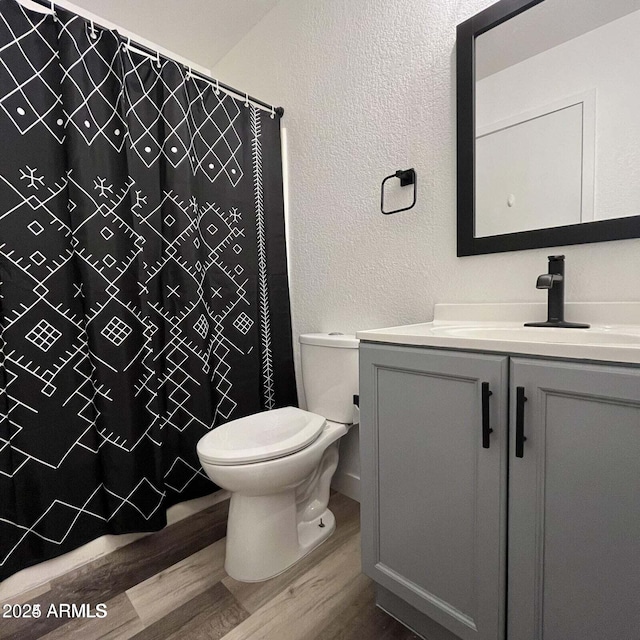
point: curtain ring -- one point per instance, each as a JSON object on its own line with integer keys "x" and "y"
{"x": 246, "y": 99}
{"x": 158, "y": 59}
{"x": 217, "y": 89}
{"x": 273, "y": 113}
{"x": 53, "y": 10}
{"x": 94, "y": 35}
{"x": 188, "y": 73}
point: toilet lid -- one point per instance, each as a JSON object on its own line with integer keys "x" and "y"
{"x": 261, "y": 436}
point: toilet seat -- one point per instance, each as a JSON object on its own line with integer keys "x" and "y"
{"x": 260, "y": 437}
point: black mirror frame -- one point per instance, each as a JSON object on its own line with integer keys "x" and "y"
{"x": 468, "y": 244}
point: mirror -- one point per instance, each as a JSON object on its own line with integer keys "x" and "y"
{"x": 548, "y": 124}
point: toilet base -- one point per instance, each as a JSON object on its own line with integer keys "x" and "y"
{"x": 263, "y": 552}
{"x": 268, "y": 533}
{"x": 313, "y": 534}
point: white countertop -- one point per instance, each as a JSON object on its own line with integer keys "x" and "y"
{"x": 614, "y": 335}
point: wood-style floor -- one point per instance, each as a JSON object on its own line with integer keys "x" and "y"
{"x": 172, "y": 585}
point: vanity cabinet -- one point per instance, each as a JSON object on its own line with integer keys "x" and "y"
{"x": 574, "y": 503}
{"x": 560, "y": 480}
{"x": 432, "y": 497}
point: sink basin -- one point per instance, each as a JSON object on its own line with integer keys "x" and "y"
{"x": 592, "y": 336}
{"x": 614, "y": 335}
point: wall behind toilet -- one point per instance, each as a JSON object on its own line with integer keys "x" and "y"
{"x": 369, "y": 88}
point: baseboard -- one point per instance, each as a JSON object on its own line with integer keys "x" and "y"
{"x": 347, "y": 484}
{"x": 32, "y": 578}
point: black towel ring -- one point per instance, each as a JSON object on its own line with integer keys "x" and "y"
{"x": 406, "y": 177}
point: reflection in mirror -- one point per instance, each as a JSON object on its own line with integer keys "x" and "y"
{"x": 557, "y": 117}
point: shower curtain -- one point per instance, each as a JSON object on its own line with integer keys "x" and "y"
{"x": 143, "y": 283}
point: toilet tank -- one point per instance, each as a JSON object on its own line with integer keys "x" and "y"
{"x": 330, "y": 374}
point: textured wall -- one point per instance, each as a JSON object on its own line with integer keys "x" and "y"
{"x": 368, "y": 88}
{"x": 200, "y": 30}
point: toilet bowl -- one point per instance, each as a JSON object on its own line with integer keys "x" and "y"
{"x": 278, "y": 466}
{"x": 278, "y": 511}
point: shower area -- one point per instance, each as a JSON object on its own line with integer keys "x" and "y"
{"x": 143, "y": 279}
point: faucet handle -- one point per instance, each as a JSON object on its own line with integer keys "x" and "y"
{"x": 547, "y": 280}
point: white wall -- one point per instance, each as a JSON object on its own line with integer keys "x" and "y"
{"x": 200, "y": 30}
{"x": 369, "y": 88}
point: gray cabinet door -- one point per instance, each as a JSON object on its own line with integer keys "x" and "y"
{"x": 574, "y": 503}
{"x": 432, "y": 498}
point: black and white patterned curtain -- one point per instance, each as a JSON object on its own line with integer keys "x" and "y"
{"x": 143, "y": 285}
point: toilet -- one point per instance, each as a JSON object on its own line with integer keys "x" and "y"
{"x": 278, "y": 464}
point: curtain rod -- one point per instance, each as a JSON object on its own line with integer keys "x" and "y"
{"x": 156, "y": 54}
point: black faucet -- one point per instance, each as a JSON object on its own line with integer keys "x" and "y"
{"x": 554, "y": 282}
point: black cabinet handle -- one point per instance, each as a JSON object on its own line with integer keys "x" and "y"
{"x": 520, "y": 437}
{"x": 486, "y": 427}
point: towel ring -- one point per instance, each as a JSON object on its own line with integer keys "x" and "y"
{"x": 407, "y": 177}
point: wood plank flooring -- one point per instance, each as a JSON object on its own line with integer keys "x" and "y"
{"x": 172, "y": 585}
